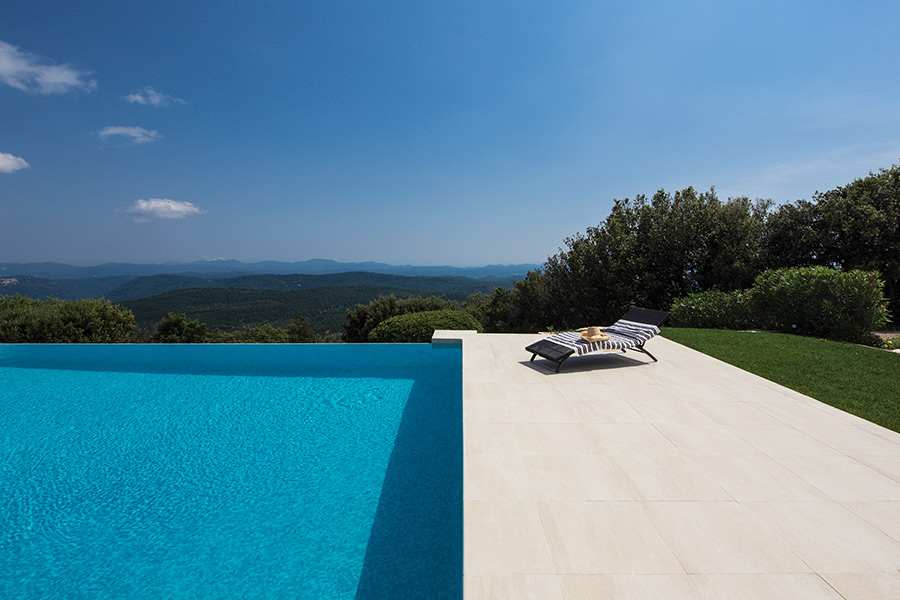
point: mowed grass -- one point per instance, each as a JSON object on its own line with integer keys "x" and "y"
{"x": 859, "y": 380}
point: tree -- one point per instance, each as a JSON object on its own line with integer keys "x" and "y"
{"x": 179, "y": 329}
{"x": 648, "y": 252}
{"x": 299, "y": 331}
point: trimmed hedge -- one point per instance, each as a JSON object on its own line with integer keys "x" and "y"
{"x": 713, "y": 310}
{"x": 420, "y": 326}
{"x": 830, "y": 303}
{"x": 819, "y": 301}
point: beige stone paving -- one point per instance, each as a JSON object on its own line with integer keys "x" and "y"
{"x": 686, "y": 478}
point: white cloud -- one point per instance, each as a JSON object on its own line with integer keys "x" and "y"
{"x": 148, "y": 96}
{"x": 30, "y": 73}
{"x": 138, "y": 135}
{"x": 161, "y": 208}
{"x": 11, "y": 164}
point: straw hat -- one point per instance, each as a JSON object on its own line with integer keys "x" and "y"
{"x": 593, "y": 334}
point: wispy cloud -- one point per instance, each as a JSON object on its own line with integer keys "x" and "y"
{"x": 142, "y": 211}
{"x": 31, "y": 73}
{"x": 148, "y": 96}
{"x": 138, "y": 135}
{"x": 11, "y": 164}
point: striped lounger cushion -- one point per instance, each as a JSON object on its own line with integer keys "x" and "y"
{"x": 622, "y": 334}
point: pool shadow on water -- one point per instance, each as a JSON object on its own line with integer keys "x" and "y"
{"x": 416, "y": 546}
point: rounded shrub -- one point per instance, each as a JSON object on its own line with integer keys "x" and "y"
{"x": 366, "y": 317}
{"x": 420, "y": 326}
{"x": 835, "y": 304}
{"x": 713, "y": 310}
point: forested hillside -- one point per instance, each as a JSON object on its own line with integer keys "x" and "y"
{"x": 78, "y": 288}
{"x": 456, "y": 288}
{"x": 228, "y": 309}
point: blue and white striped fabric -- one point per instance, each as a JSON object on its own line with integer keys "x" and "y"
{"x": 622, "y": 334}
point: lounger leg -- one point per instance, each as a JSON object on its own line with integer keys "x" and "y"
{"x": 642, "y": 349}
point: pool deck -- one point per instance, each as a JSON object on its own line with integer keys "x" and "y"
{"x": 687, "y": 478}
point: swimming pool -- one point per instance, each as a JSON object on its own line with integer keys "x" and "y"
{"x": 230, "y": 471}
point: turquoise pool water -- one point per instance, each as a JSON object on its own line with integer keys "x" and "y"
{"x": 230, "y": 471}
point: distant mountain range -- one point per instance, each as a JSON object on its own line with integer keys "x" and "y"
{"x": 235, "y": 268}
{"x": 231, "y": 294}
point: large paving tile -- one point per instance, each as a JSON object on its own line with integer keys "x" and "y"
{"x": 864, "y": 586}
{"x": 843, "y": 478}
{"x": 629, "y": 438}
{"x": 852, "y": 440}
{"x": 606, "y": 410}
{"x": 700, "y": 392}
{"x": 512, "y": 586}
{"x": 587, "y": 392}
{"x": 628, "y": 587}
{"x": 474, "y": 391}
{"x": 495, "y": 477}
{"x": 604, "y": 538}
{"x": 884, "y": 516}
{"x": 764, "y": 586}
{"x": 546, "y": 392}
{"x": 734, "y": 413}
{"x": 555, "y": 438}
{"x": 521, "y": 411}
{"x": 705, "y": 440}
{"x": 640, "y": 390}
{"x": 670, "y": 477}
{"x": 829, "y": 537}
{"x": 886, "y": 465}
{"x": 505, "y": 538}
{"x": 782, "y": 440}
{"x": 758, "y": 477}
{"x": 794, "y": 412}
{"x": 576, "y": 477}
{"x": 721, "y": 537}
{"x": 670, "y": 413}
{"x": 754, "y": 392}
{"x": 491, "y": 438}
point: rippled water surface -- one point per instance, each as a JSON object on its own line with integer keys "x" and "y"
{"x": 236, "y": 472}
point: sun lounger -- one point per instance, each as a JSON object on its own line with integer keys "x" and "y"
{"x": 628, "y": 333}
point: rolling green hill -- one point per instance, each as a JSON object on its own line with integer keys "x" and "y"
{"x": 455, "y": 288}
{"x": 228, "y": 308}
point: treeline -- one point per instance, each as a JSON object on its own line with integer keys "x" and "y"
{"x": 651, "y": 251}
{"x": 26, "y": 320}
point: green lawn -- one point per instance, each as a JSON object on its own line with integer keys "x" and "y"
{"x": 862, "y": 381}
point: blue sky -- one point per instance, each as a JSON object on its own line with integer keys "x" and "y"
{"x": 425, "y": 133}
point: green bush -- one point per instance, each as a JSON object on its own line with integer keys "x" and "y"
{"x": 179, "y": 329}
{"x": 366, "y": 317}
{"x": 26, "y": 320}
{"x": 713, "y": 310}
{"x": 419, "y": 327}
{"x": 820, "y": 301}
